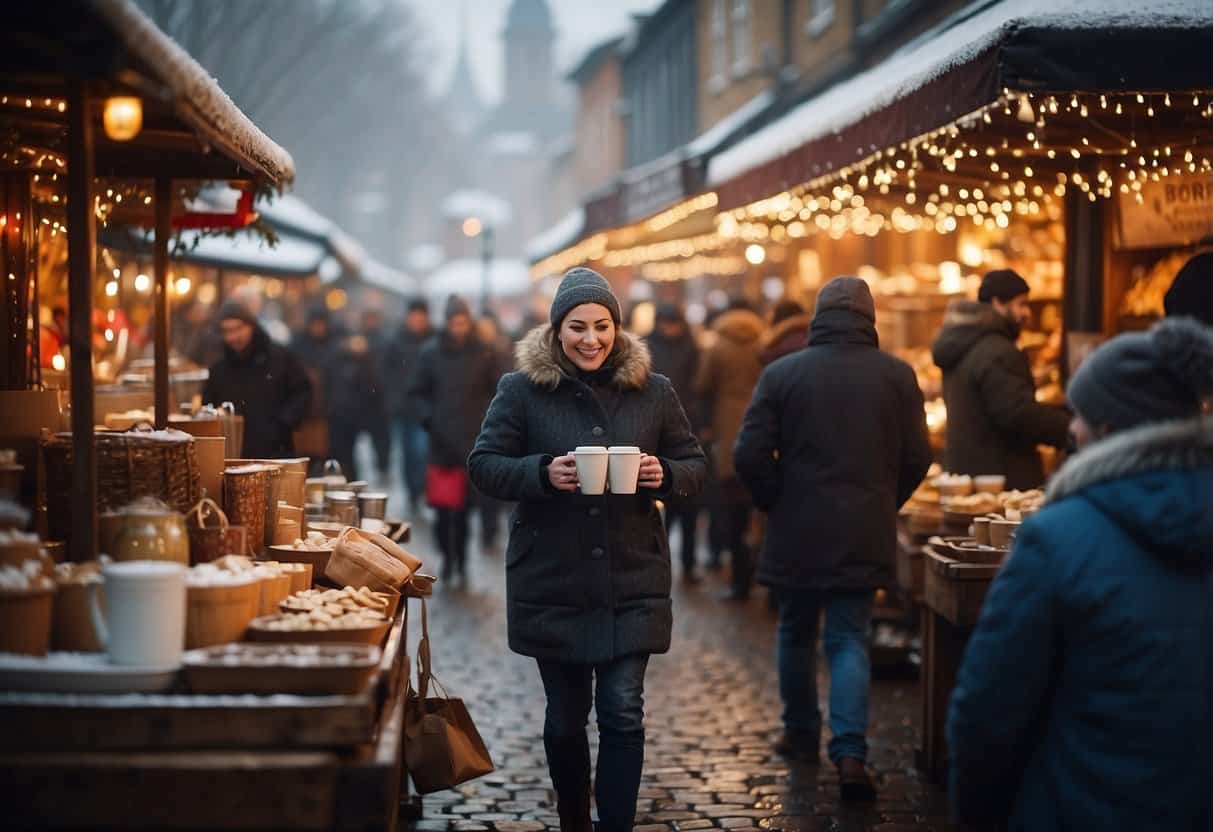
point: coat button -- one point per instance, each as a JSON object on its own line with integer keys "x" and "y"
{"x": 597, "y": 552}
{"x": 595, "y": 511}
{"x": 598, "y": 431}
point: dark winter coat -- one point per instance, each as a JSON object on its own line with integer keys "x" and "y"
{"x": 356, "y": 390}
{"x": 677, "y": 360}
{"x": 728, "y": 371}
{"x": 587, "y": 577}
{"x": 452, "y": 390}
{"x": 1085, "y": 698}
{"x": 403, "y": 362}
{"x": 270, "y": 388}
{"x": 832, "y": 446}
{"x": 994, "y": 420}
{"x": 786, "y": 337}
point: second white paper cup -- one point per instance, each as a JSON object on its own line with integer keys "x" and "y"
{"x": 625, "y": 468}
{"x": 591, "y": 468}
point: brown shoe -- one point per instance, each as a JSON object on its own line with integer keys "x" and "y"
{"x": 855, "y": 784}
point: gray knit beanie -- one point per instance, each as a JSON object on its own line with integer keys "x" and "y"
{"x": 1140, "y": 377}
{"x": 583, "y": 286}
{"x": 235, "y": 309}
{"x": 847, "y": 293}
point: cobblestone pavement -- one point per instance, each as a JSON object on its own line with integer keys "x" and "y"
{"x": 712, "y": 709}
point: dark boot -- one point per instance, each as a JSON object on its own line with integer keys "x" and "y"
{"x": 854, "y": 782}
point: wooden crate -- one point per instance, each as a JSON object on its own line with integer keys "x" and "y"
{"x": 956, "y": 590}
{"x": 69, "y": 722}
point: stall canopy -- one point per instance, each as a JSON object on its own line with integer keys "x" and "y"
{"x": 191, "y": 129}
{"x": 987, "y": 49}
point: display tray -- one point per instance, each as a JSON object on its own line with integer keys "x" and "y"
{"x": 956, "y": 590}
{"x": 318, "y": 558}
{"x": 32, "y": 721}
{"x": 81, "y": 673}
{"x": 268, "y": 669}
{"x": 967, "y": 550}
{"x": 259, "y": 632}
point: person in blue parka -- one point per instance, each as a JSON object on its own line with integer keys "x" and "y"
{"x": 1085, "y": 698}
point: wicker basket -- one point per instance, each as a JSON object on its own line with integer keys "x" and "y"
{"x": 244, "y": 501}
{"x": 206, "y": 542}
{"x": 132, "y": 464}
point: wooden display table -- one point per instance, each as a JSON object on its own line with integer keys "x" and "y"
{"x": 953, "y": 593}
{"x": 178, "y": 761}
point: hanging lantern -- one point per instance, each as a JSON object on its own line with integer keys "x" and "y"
{"x": 123, "y": 117}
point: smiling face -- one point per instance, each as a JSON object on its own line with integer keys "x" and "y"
{"x": 587, "y": 336}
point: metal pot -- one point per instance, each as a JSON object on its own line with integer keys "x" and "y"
{"x": 148, "y": 530}
{"x": 372, "y": 504}
{"x": 342, "y": 507}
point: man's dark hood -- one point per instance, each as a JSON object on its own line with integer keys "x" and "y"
{"x": 966, "y": 323}
{"x": 257, "y": 349}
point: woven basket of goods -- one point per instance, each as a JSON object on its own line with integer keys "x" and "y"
{"x": 130, "y": 464}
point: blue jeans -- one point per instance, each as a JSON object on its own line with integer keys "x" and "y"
{"x": 848, "y": 622}
{"x": 415, "y": 443}
{"x": 620, "y": 705}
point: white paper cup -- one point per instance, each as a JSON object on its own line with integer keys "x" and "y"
{"x": 592, "y": 465}
{"x": 625, "y": 468}
{"x": 144, "y": 619}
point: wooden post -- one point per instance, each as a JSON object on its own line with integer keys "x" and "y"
{"x": 16, "y": 242}
{"x": 164, "y": 209}
{"x": 81, "y": 261}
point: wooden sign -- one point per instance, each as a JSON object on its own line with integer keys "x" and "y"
{"x": 1176, "y": 211}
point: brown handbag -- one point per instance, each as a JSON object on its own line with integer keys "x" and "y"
{"x": 442, "y": 747}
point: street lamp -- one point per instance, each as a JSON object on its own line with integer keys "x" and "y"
{"x": 474, "y": 227}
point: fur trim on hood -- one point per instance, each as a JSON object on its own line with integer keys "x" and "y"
{"x": 1158, "y": 446}
{"x": 740, "y": 326}
{"x": 541, "y": 360}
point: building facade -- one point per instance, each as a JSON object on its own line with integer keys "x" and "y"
{"x": 660, "y": 82}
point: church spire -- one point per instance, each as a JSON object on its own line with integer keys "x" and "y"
{"x": 463, "y": 95}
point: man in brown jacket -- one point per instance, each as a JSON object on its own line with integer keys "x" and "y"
{"x": 728, "y": 372}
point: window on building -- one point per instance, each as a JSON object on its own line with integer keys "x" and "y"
{"x": 821, "y": 16}
{"x": 720, "y": 47}
{"x": 743, "y": 40}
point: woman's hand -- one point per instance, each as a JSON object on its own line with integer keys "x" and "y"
{"x": 562, "y": 472}
{"x": 652, "y": 474}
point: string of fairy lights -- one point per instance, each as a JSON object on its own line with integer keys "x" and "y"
{"x": 1016, "y": 157}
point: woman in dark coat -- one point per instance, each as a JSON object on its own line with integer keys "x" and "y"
{"x": 1085, "y": 698}
{"x": 454, "y": 382}
{"x": 587, "y": 577}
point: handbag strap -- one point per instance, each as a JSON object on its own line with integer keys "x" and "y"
{"x": 424, "y": 668}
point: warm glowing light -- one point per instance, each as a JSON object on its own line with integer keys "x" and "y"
{"x": 472, "y": 227}
{"x": 58, "y": 362}
{"x": 755, "y": 254}
{"x": 183, "y": 285}
{"x": 143, "y": 283}
{"x": 123, "y": 117}
{"x": 335, "y": 299}
{"x": 111, "y": 289}
{"x": 109, "y": 335}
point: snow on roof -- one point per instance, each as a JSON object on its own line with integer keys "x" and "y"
{"x": 425, "y": 257}
{"x": 192, "y": 84}
{"x": 385, "y": 277}
{"x": 512, "y": 144}
{"x": 294, "y": 256}
{"x": 465, "y": 277}
{"x": 707, "y": 141}
{"x": 288, "y": 211}
{"x": 561, "y": 235}
{"x": 474, "y": 203}
{"x": 953, "y": 44}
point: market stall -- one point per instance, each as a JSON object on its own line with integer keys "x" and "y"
{"x": 187, "y": 639}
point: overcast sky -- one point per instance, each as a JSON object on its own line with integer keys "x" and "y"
{"x": 580, "y": 24}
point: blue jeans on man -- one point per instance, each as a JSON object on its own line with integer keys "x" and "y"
{"x": 619, "y": 699}
{"x": 415, "y": 444}
{"x": 848, "y": 620}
